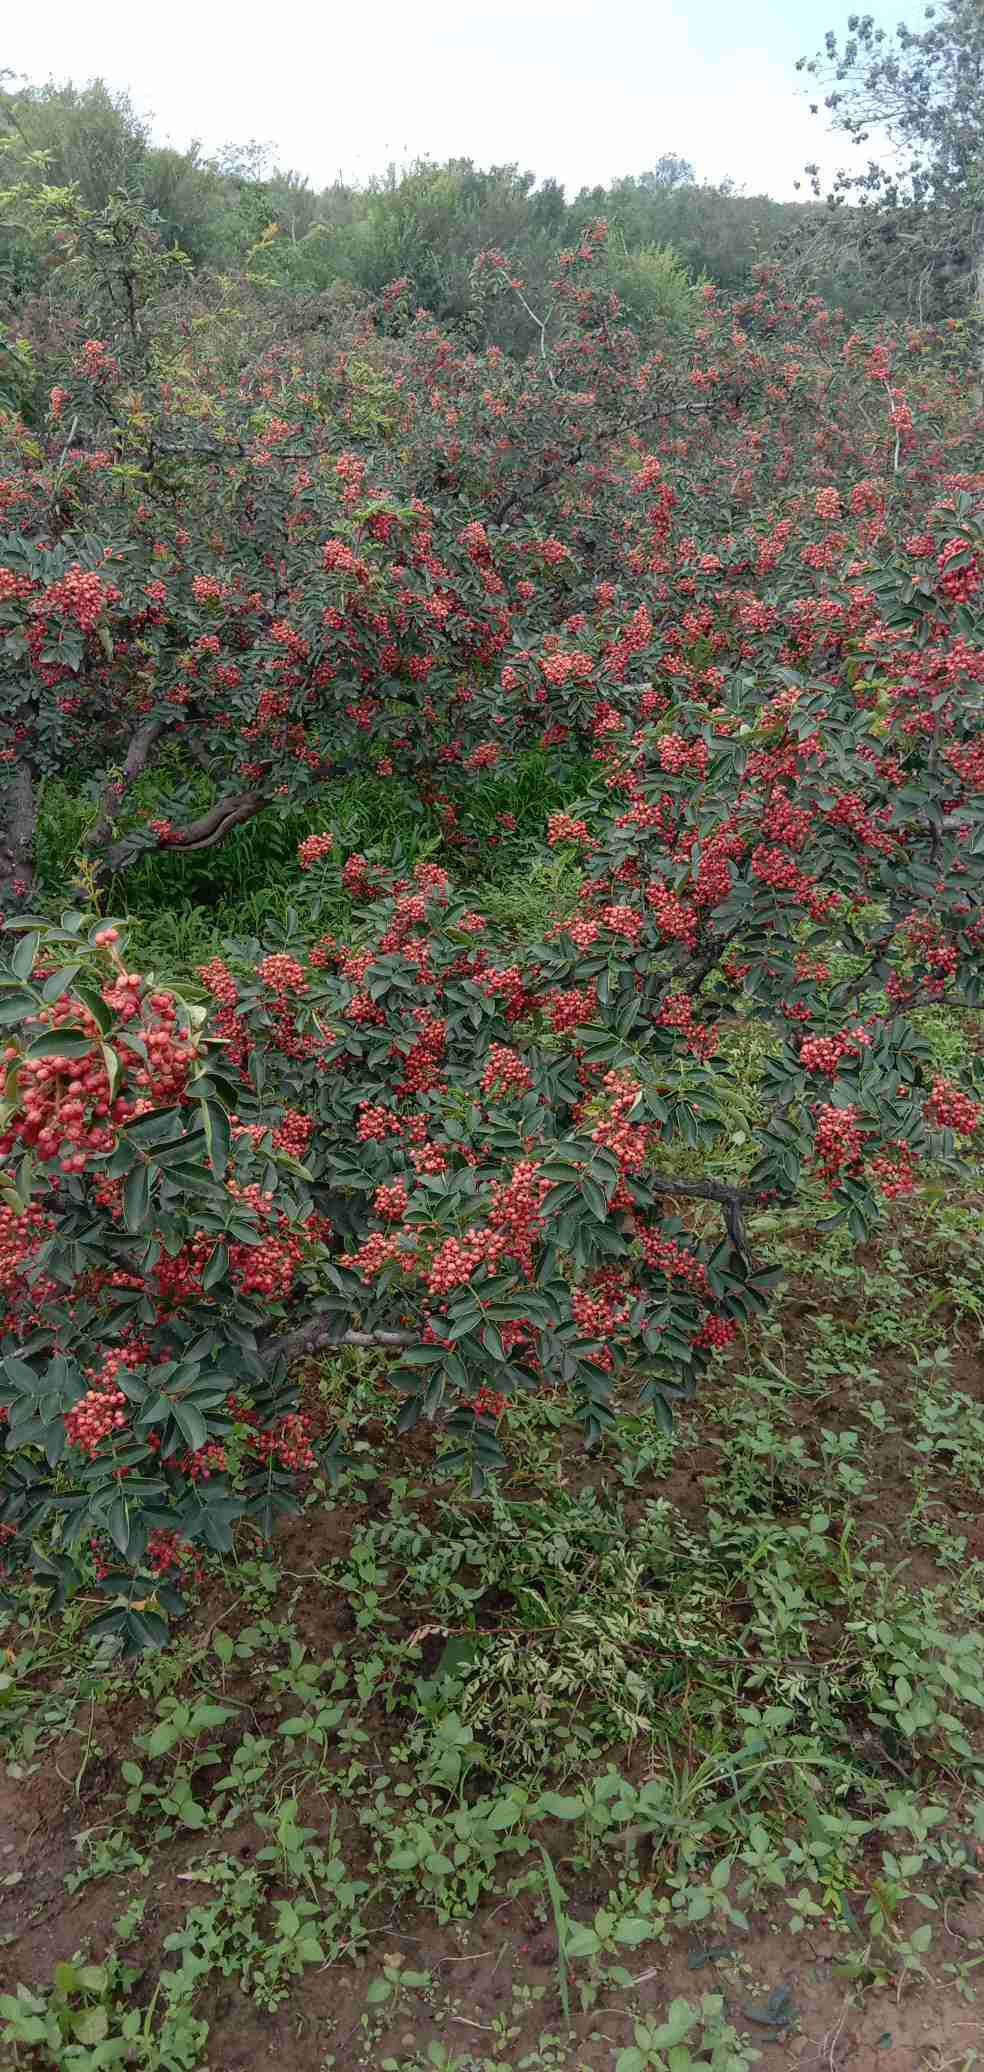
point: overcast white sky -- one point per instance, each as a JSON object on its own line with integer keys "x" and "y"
{"x": 581, "y": 89}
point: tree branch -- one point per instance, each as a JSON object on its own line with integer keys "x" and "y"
{"x": 706, "y": 1190}
{"x": 219, "y": 821}
{"x": 203, "y": 833}
{"x": 518, "y": 498}
{"x": 323, "y": 1331}
{"x": 711, "y": 958}
{"x": 730, "y": 1200}
{"x": 540, "y": 322}
{"x": 115, "y": 789}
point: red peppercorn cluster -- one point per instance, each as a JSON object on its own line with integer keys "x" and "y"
{"x": 423, "y": 1064}
{"x": 572, "y": 1008}
{"x": 375, "y": 1124}
{"x": 168, "y": 1550}
{"x": 582, "y": 933}
{"x": 599, "y": 1313}
{"x": 365, "y": 1012}
{"x": 432, "y": 879}
{"x": 227, "y": 1023}
{"x": 200, "y": 1466}
{"x": 925, "y": 936}
{"x": 293, "y": 1133}
{"x": 102, "y": 1410}
{"x": 456, "y": 1262}
{"x": 489, "y": 1403}
{"x": 357, "y": 877}
{"x": 95, "y": 362}
{"x": 958, "y": 584}
{"x": 338, "y": 558}
{"x": 968, "y": 763}
{"x": 825, "y": 1053}
{"x": 21, "y": 1232}
{"x": 506, "y": 1072}
{"x": 838, "y": 1142}
{"x": 851, "y": 812}
{"x": 511, "y": 985}
{"x": 218, "y": 980}
{"x": 949, "y": 1108}
{"x": 206, "y": 590}
{"x": 427, "y": 1158}
{"x": 666, "y": 1256}
{"x": 624, "y": 921}
{"x": 66, "y": 1106}
{"x": 169, "y": 1053}
{"x": 281, "y": 974}
{"x": 827, "y": 503}
{"x": 715, "y": 1333}
{"x": 313, "y": 848}
{"x": 65, "y": 1110}
{"x": 680, "y": 758}
{"x": 14, "y": 589}
{"x": 377, "y": 1251}
{"x": 80, "y": 594}
{"x": 288, "y": 1442}
{"x": 894, "y": 1171}
{"x": 674, "y": 918}
{"x": 178, "y": 1275}
{"x": 515, "y": 1219}
{"x": 677, "y": 1012}
{"x": 628, "y": 1142}
{"x": 268, "y": 1269}
{"x": 390, "y": 1200}
{"x": 99, "y": 1412}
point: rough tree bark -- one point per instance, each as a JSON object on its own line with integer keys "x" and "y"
{"x": 18, "y": 820}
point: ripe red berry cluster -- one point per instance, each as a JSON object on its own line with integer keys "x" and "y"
{"x": 949, "y": 1108}
{"x": 506, "y": 1072}
{"x": 313, "y": 848}
{"x": 838, "y": 1142}
{"x": 489, "y": 1403}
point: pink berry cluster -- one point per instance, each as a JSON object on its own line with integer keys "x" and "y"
{"x": 313, "y": 848}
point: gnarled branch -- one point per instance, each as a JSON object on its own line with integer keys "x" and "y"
{"x": 115, "y": 789}
{"x": 203, "y": 833}
{"x": 323, "y": 1331}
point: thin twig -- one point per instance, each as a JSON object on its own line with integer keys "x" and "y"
{"x": 71, "y": 434}
{"x": 540, "y": 322}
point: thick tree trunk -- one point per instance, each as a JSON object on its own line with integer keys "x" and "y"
{"x": 977, "y": 313}
{"x": 18, "y": 821}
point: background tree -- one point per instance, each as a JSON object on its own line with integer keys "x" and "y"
{"x": 918, "y": 95}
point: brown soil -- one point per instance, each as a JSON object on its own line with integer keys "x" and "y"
{"x": 474, "y": 1968}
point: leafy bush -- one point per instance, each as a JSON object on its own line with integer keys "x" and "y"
{"x": 752, "y": 615}
{"x": 287, "y": 561}
{"x": 653, "y": 288}
{"x": 430, "y": 1141}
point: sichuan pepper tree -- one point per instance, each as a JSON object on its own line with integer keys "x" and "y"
{"x": 509, "y": 1167}
{"x": 748, "y": 581}
{"x": 367, "y": 549}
